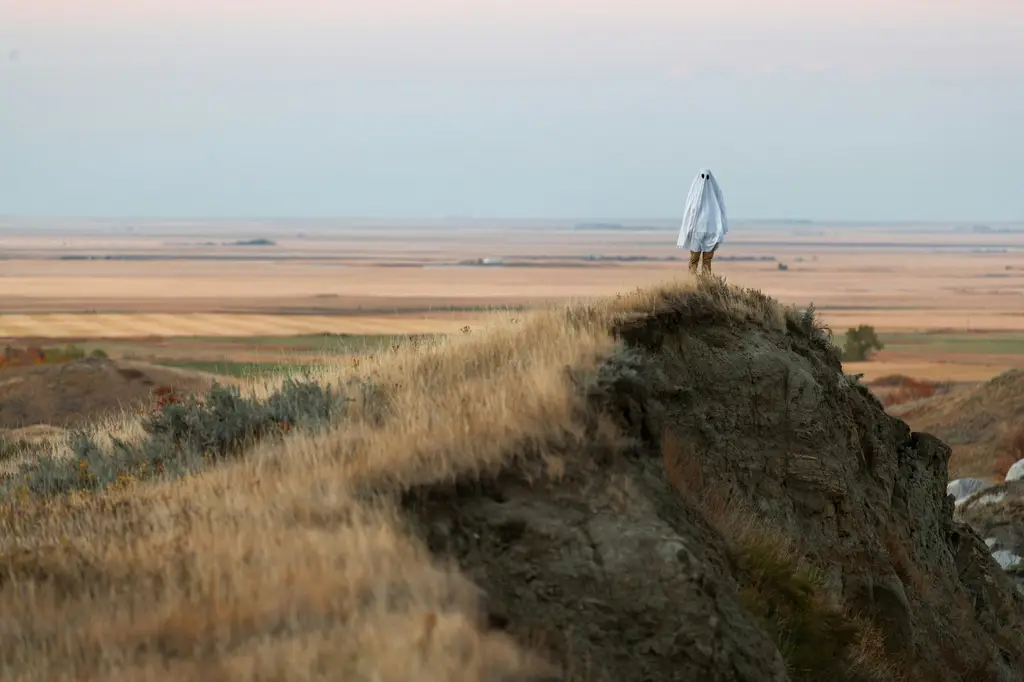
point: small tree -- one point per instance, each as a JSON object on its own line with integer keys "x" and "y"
{"x": 861, "y": 343}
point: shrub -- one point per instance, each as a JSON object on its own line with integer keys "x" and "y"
{"x": 34, "y": 355}
{"x": 225, "y": 422}
{"x": 812, "y": 326}
{"x": 910, "y": 390}
{"x": 890, "y": 380}
{"x": 184, "y": 435}
{"x": 861, "y": 343}
{"x": 21, "y": 357}
{"x": 59, "y": 354}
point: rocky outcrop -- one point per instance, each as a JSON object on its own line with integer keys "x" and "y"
{"x": 606, "y": 572}
{"x": 1016, "y": 471}
{"x": 997, "y": 514}
{"x": 772, "y": 419}
{"x": 963, "y": 488}
{"x": 619, "y": 566}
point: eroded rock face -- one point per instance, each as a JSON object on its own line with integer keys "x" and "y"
{"x": 607, "y": 570}
{"x": 619, "y": 576}
{"x": 770, "y": 417}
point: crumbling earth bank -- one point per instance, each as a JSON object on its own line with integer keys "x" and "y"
{"x": 607, "y": 574}
{"x": 619, "y": 576}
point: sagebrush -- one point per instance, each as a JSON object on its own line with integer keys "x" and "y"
{"x": 183, "y": 435}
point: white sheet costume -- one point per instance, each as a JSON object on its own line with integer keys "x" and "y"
{"x": 704, "y": 222}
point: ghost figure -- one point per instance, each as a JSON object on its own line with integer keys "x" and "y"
{"x": 704, "y": 223}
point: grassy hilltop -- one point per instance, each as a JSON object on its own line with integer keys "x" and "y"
{"x": 678, "y": 483}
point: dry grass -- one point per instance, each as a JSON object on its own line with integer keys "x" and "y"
{"x": 906, "y": 569}
{"x": 276, "y": 566}
{"x": 817, "y": 635}
{"x": 86, "y": 390}
{"x": 682, "y": 466}
{"x": 291, "y": 564}
{"x": 979, "y": 423}
{"x": 934, "y": 367}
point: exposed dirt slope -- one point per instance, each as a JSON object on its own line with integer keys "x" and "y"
{"x": 974, "y": 422}
{"x": 77, "y": 392}
{"x": 734, "y": 400}
{"x": 710, "y": 498}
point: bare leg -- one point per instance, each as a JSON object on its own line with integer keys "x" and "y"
{"x": 694, "y": 261}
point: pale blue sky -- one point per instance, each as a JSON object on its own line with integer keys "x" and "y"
{"x": 898, "y": 110}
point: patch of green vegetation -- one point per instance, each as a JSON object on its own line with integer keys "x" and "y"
{"x": 237, "y": 369}
{"x": 811, "y": 634}
{"x": 817, "y": 637}
{"x": 35, "y": 355}
{"x": 980, "y": 343}
{"x": 71, "y": 352}
{"x": 183, "y": 435}
{"x": 317, "y": 343}
{"x": 63, "y": 353}
{"x": 295, "y": 351}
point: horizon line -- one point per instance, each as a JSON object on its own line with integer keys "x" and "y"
{"x": 505, "y": 219}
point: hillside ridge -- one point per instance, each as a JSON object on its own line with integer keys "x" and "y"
{"x": 677, "y": 483}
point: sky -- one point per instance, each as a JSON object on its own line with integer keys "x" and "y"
{"x": 828, "y": 110}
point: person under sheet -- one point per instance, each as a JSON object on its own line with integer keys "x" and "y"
{"x": 704, "y": 223}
